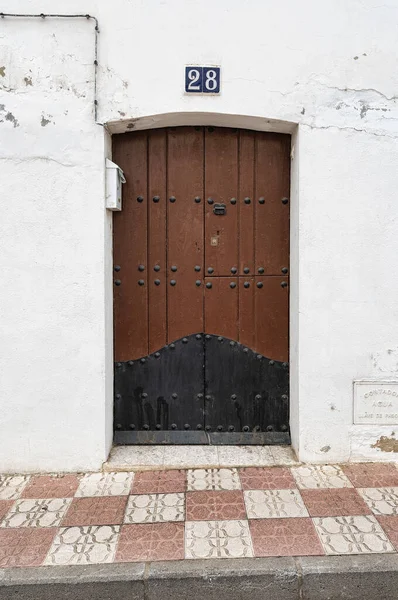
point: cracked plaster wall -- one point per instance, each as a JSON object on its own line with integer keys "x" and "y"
{"x": 326, "y": 71}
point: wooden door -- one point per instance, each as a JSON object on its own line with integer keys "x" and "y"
{"x": 201, "y": 259}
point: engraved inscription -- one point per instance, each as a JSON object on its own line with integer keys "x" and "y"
{"x": 376, "y": 403}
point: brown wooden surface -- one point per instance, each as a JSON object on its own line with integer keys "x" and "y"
{"x": 221, "y": 185}
{"x": 247, "y": 323}
{"x": 221, "y": 307}
{"x": 184, "y": 231}
{"x": 130, "y": 250}
{"x": 246, "y": 211}
{"x": 272, "y": 318}
{"x": 157, "y": 311}
{"x": 191, "y": 162}
{"x": 272, "y": 172}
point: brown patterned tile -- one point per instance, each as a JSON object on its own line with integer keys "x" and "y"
{"x": 47, "y": 486}
{"x": 277, "y": 478}
{"x": 368, "y": 475}
{"x": 285, "y": 537}
{"x": 25, "y": 547}
{"x": 390, "y": 526}
{"x": 100, "y": 510}
{"x": 159, "y": 482}
{"x": 151, "y": 541}
{"x": 210, "y": 505}
{"x": 5, "y": 506}
{"x": 334, "y": 502}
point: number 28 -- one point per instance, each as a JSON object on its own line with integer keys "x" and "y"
{"x": 202, "y": 80}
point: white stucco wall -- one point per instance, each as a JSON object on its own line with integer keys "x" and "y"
{"x": 325, "y": 71}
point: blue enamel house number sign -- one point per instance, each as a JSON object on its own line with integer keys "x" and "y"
{"x": 202, "y": 80}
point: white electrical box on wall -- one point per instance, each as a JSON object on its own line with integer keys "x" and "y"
{"x": 114, "y": 180}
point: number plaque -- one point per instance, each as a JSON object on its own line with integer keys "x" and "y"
{"x": 202, "y": 80}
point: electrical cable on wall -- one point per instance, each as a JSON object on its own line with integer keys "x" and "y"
{"x": 74, "y": 16}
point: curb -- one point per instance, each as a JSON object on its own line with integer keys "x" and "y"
{"x": 302, "y": 578}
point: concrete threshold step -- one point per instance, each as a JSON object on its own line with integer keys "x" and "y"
{"x": 141, "y": 458}
{"x": 304, "y": 578}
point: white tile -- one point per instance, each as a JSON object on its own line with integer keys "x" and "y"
{"x": 244, "y": 456}
{"x": 105, "y": 484}
{"x": 283, "y": 455}
{"x": 352, "y": 535}
{"x": 155, "y": 508}
{"x": 274, "y": 504}
{"x": 179, "y": 457}
{"x": 36, "y": 513}
{"x": 381, "y": 501}
{"x": 217, "y": 539}
{"x": 84, "y": 545}
{"x": 134, "y": 458}
{"x": 320, "y": 476}
{"x": 213, "y": 479}
{"x": 12, "y": 486}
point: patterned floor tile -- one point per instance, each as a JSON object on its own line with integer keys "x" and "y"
{"x": 159, "y": 482}
{"x": 105, "y": 484}
{"x": 5, "y": 506}
{"x": 285, "y": 537}
{"x": 36, "y": 513}
{"x": 274, "y": 504}
{"x": 155, "y": 508}
{"x": 203, "y": 506}
{"x": 320, "y": 476}
{"x": 213, "y": 479}
{"x": 218, "y": 539}
{"x": 24, "y": 547}
{"x": 277, "y": 478}
{"x": 105, "y": 510}
{"x": 12, "y": 486}
{"x": 381, "y": 501}
{"x": 390, "y": 526}
{"x": 352, "y": 535}
{"x": 83, "y": 545}
{"x": 367, "y": 475}
{"x": 47, "y": 486}
{"x": 334, "y": 502}
{"x": 151, "y": 541}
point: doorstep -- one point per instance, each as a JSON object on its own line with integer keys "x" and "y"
{"x": 128, "y": 458}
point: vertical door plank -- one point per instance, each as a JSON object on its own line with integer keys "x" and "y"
{"x": 157, "y": 285}
{"x": 130, "y": 250}
{"x": 246, "y": 312}
{"x": 221, "y": 185}
{"x": 272, "y": 173}
{"x": 272, "y": 318}
{"x": 221, "y": 307}
{"x": 246, "y": 208}
{"x": 184, "y": 231}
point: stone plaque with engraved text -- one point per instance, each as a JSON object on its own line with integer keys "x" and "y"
{"x": 376, "y": 402}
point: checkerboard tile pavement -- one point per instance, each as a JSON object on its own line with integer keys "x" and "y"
{"x": 193, "y": 514}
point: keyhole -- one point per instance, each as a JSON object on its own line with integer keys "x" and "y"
{"x": 218, "y": 233}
